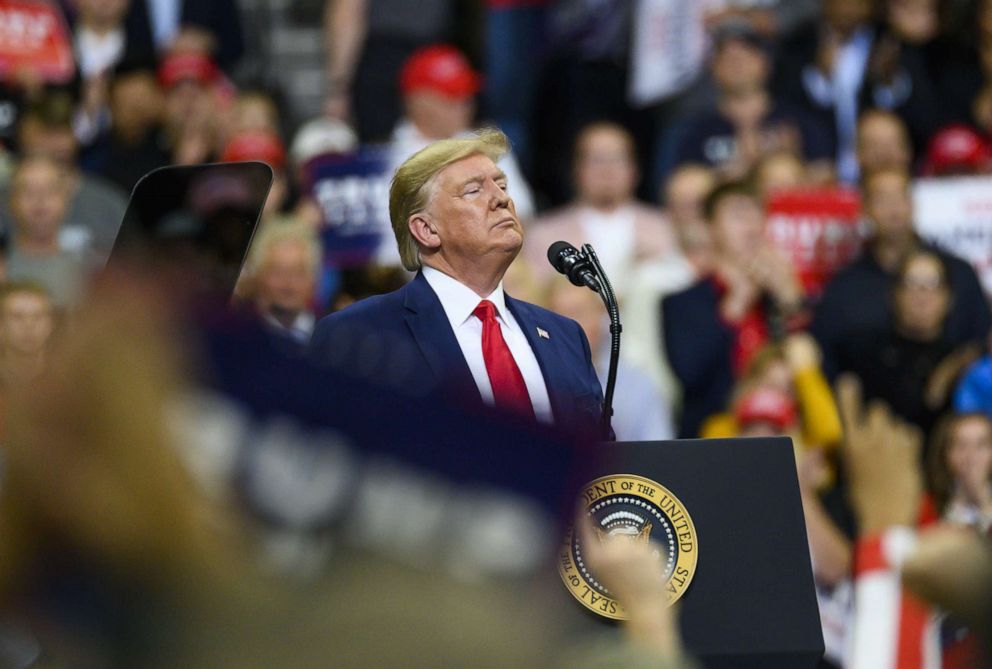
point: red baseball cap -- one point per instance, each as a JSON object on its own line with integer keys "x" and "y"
{"x": 440, "y": 68}
{"x": 260, "y": 145}
{"x": 189, "y": 66}
{"x": 957, "y": 148}
{"x": 766, "y": 405}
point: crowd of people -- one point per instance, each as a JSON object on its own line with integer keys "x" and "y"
{"x": 667, "y": 170}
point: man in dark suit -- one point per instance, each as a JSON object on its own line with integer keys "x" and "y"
{"x": 452, "y": 328}
{"x": 715, "y": 327}
{"x": 858, "y": 301}
{"x": 158, "y": 22}
{"x": 841, "y": 64}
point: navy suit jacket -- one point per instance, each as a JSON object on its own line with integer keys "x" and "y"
{"x": 222, "y": 18}
{"x": 698, "y": 346}
{"x": 405, "y": 337}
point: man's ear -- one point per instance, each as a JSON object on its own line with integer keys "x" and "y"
{"x": 423, "y": 230}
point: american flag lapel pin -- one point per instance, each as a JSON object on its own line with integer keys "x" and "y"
{"x": 543, "y": 333}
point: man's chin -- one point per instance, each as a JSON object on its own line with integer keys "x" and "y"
{"x": 509, "y": 249}
{"x": 514, "y": 241}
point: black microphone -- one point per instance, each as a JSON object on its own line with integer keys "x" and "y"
{"x": 571, "y": 262}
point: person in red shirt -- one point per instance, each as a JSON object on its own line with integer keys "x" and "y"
{"x": 713, "y": 328}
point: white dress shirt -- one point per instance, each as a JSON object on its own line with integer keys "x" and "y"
{"x": 97, "y": 54}
{"x": 458, "y": 302}
{"x": 300, "y": 329}
{"x": 165, "y": 18}
{"x": 841, "y": 92}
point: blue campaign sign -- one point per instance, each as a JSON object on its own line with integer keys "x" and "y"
{"x": 378, "y": 464}
{"x": 352, "y": 191}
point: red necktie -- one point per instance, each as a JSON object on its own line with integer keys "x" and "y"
{"x": 509, "y": 389}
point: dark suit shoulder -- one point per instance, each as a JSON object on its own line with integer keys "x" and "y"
{"x": 954, "y": 262}
{"x": 861, "y": 266}
{"x": 860, "y": 279}
{"x": 703, "y": 292}
{"x": 368, "y": 310}
{"x": 378, "y": 314}
{"x": 370, "y": 336}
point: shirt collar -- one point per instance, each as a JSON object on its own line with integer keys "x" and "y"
{"x": 458, "y": 300}
{"x": 303, "y": 323}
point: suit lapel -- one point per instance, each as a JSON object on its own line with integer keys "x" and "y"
{"x": 546, "y": 351}
{"x": 432, "y": 331}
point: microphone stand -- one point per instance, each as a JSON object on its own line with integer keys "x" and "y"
{"x": 613, "y": 309}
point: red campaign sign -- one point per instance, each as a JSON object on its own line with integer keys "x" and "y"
{"x": 820, "y": 230}
{"x": 33, "y": 35}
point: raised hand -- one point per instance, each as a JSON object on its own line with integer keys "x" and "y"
{"x": 882, "y": 455}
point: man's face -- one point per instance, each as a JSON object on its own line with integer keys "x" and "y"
{"x": 888, "y": 204}
{"x": 135, "y": 102}
{"x": 439, "y": 116}
{"x": 605, "y": 172}
{"x": 59, "y": 144}
{"x": 738, "y": 226}
{"x": 780, "y": 172}
{"x": 38, "y": 201}
{"x": 187, "y": 100}
{"x": 914, "y": 21}
{"x": 882, "y": 144}
{"x": 685, "y": 192}
{"x": 778, "y": 376}
{"x": 845, "y": 16}
{"x": 286, "y": 280}
{"x": 26, "y": 323}
{"x": 738, "y": 65}
{"x": 254, "y": 112}
{"x": 103, "y": 12}
{"x": 472, "y": 213}
{"x": 922, "y": 297}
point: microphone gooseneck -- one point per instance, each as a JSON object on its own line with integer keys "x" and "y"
{"x": 584, "y": 269}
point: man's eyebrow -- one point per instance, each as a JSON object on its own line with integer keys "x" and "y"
{"x": 479, "y": 178}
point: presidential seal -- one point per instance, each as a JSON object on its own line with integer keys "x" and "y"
{"x": 635, "y": 509}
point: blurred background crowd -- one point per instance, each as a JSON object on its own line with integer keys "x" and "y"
{"x": 767, "y": 183}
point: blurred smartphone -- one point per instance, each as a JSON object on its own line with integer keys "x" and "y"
{"x": 192, "y": 225}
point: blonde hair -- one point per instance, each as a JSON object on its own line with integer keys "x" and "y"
{"x": 412, "y": 185}
{"x": 277, "y": 231}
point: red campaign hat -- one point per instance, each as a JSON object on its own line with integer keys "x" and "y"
{"x": 766, "y": 405}
{"x": 440, "y": 68}
{"x": 956, "y": 148}
{"x": 179, "y": 67}
{"x": 255, "y": 145}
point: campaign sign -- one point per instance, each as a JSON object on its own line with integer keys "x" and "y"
{"x": 33, "y": 35}
{"x": 955, "y": 213}
{"x": 378, "y": 462}
{"x": 820, "y": 230}
{"x": 352, "y": 191}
